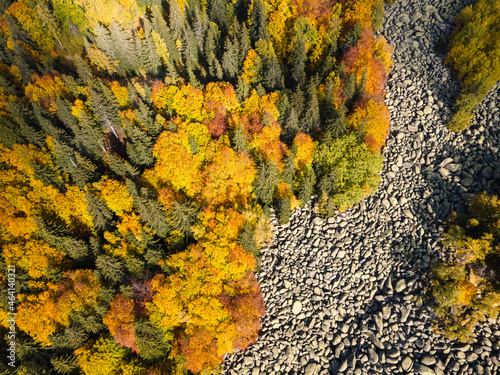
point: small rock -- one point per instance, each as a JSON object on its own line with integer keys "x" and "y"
{"x": 427, "y": 110}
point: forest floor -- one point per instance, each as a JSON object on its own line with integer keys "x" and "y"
{"x": 348, "y": 295}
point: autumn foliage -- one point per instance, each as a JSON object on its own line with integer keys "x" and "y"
{"x": 144, "y": 146}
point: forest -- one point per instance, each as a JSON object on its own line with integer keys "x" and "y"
{"x": 474, "y": 54}
{"x": 146, "y": 146}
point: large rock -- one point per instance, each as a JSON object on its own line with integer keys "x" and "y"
{"x": 424, "y": 370}
{"x": 312, "y": 369}
{"x": 297, "y": 307}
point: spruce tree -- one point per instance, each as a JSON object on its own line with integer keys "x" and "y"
{"x": 183, "y": 217}
{"x": 124, "y": 48}
{"x": 9, "y": 132}
{"x": 150, "y": 341}
{"x": 200, "y": 27}
{"x": 266, "y": 181}
{"x": 104, "y": 41}
{"x": 64, "y": 114}
{"x": 150, "y": 60}
{"x": 218, "y": 15}
{"x": 64, "y": 364}
{"x": 240, "y": 139}
{"x": 110, "y": 268}
{"x": 83, "y": 70}
{"x": 105, "y": 106}
{"x": 149, "y": 209}
{"x": 139, "y": 146}
{"x": 311, "y": 118}
{"x": 23, "y": 116}
{"x": 307, "y": 188}
{"x": 258, "y": 28}
{"x": 101, "y": 214}
{"x": 230, "y": 60}
{"x": 299, "y": 58}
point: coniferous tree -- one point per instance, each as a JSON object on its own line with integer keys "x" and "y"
{"x": 149, "y": 209}
{"x": 124, "y": 48}
{"x": 150, "y": 60}
{"x": 266, "y": 182}
{"x": 139, "y": 146}
{"x": 245, "y": 43}
{"x": 64, "y": 114}
{"x": 9, "y": 132}
{"x": 299, "y": 57}
{"x": 101, "y": 215}
{"x": 352, "y": 36}
{"x": 307, "y": 188}
{"x": 230, "y": 60}
{"x": 22, "y": 116}
{"x": 150, "y": 341}
{"x": 217, "y": 13}
{"x": 311, "y": 119}
{"x": 106, "y": 107}
{"x": 64, "y": 364}
{"x": 83, "y": 69}
{"x": 240, "y": 139}
{"x": 258, "y": 29}
{"x": 284, "y": 210}
{"x": 110, "y": 268}
{"x": 183, "y": 217}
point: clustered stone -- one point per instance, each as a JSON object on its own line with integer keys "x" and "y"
{"x": 347, "y": 295}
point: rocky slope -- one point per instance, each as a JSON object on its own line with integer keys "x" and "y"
{"x": 347, "y": 296}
